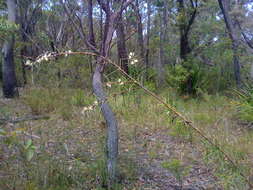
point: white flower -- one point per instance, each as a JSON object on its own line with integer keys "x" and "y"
{"x": 84, "y": 110}
{"x": 121, "y": 83}
{"x": 90, "y": 108}
{"x": 28, "y": 63}
{"x": 119, "y": 80}
{"x": 69, "y": 51}
{"x": 108, "y": 85}
{"x": 96, "y": 103}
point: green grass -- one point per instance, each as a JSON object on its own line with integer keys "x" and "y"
{"x": 70, "y": 149}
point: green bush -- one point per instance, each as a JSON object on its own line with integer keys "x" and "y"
{"x": 245, "y": 103}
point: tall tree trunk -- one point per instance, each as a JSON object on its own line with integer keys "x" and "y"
{"x": 121, "y": 45}
{"x": 111, "y": 122}
{"x": 91, "y": 36}
{"x": 160, "y": 63}
{"x": 148, "y": 33}
{"x": 184, "y": 28}
{"x": 9, "y": 75}
{"x": 140, "y": 32}
{"x": 224, "y": 6}
{"x": 185, "y": 25}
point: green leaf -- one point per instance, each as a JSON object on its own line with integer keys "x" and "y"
{"x": 2, "y": 132}
{"x": 28, "y": 144}
{"x": 29, "y": 154}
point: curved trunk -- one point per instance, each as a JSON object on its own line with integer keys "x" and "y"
{"x": 111, "y": 123}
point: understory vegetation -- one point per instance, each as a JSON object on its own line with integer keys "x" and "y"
{"x": 67, "y": 151}
{"x": 126, "y": 95}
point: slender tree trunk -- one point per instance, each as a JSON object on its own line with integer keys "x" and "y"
{"x": 148, "y": 35}
{"x": 91, "y": 36}
{"x": 184, "y": 29}
{"x": 121, "y": 45}
{"x": 9, "y": 75}
{"x": 140, "y": 32}
{"x": 111, "y": 122}
{"x": 185, "y": 25}
{"x": 224, "y": 6}
{"x": 160, "y": 62}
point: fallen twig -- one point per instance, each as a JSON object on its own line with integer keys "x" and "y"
{"x": 22, "y": 119}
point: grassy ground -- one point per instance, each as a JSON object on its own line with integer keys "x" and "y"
{"x": 157, "y": 151}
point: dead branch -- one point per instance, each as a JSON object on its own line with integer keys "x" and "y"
{"x": 22, "y": 119}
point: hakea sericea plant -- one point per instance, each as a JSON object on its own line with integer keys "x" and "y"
{"x": 132, "y": 59}
{"x": 47, "y": 56}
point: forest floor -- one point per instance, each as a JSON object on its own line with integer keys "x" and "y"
{"x": 156, "y": 150}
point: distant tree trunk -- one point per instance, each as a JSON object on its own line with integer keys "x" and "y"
{"x": 165, "y": 27}
{"x": 148, "y": 33}
{"x": 224, "y": 6}
{"x": 140, "y": 32}
{"x": 9, "y": 75}
{"x": 91, "y": 36}
{"x": 121, "y": 45}
{"x": 27, "y": 20}
{"x": 185, "y": 25}
{"x": 160, "y": 62}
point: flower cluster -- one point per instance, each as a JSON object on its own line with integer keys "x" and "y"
{"x": 119, "y": 82}
{"x": 89, "y": 108}
{"x": 66, "y": 53}
{"x": 132, "y": 58}
{"x": 45, "y": 57}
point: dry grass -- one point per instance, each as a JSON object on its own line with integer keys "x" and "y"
{"x": 70, "y": 145}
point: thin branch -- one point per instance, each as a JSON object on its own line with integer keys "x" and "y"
{"x": 22, "y": 119}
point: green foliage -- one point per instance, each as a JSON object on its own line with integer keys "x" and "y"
{"x": 29, "y": 150}
{"x": 80, "y": 99}
{"x": 227, "y": 172}
{"x": 7, "y": 28}
{"x": 178, "y": 169}
{"x": 245, "y": 102}
{"x": 42, "y": 100}
{"x": 181, "y": 131}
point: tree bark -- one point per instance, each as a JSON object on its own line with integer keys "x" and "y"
{"x": 224, "y": 6}
{"x": 148, "y": 34}
{"x": 185, "y": 25}
{"x": 121, "y": 45}
{"x": 160, "y": 63}
{"x": 9, "y": 75}
{"x": 140, "y": 32}
{"x": 111, "y": 122}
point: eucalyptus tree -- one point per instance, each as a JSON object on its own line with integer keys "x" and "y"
{"x": 29, "y": 14}
{"x": 112, "y": 11}
{"x": 225, "y": 6}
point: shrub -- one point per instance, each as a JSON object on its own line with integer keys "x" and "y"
{"x": 245, "y": 103}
